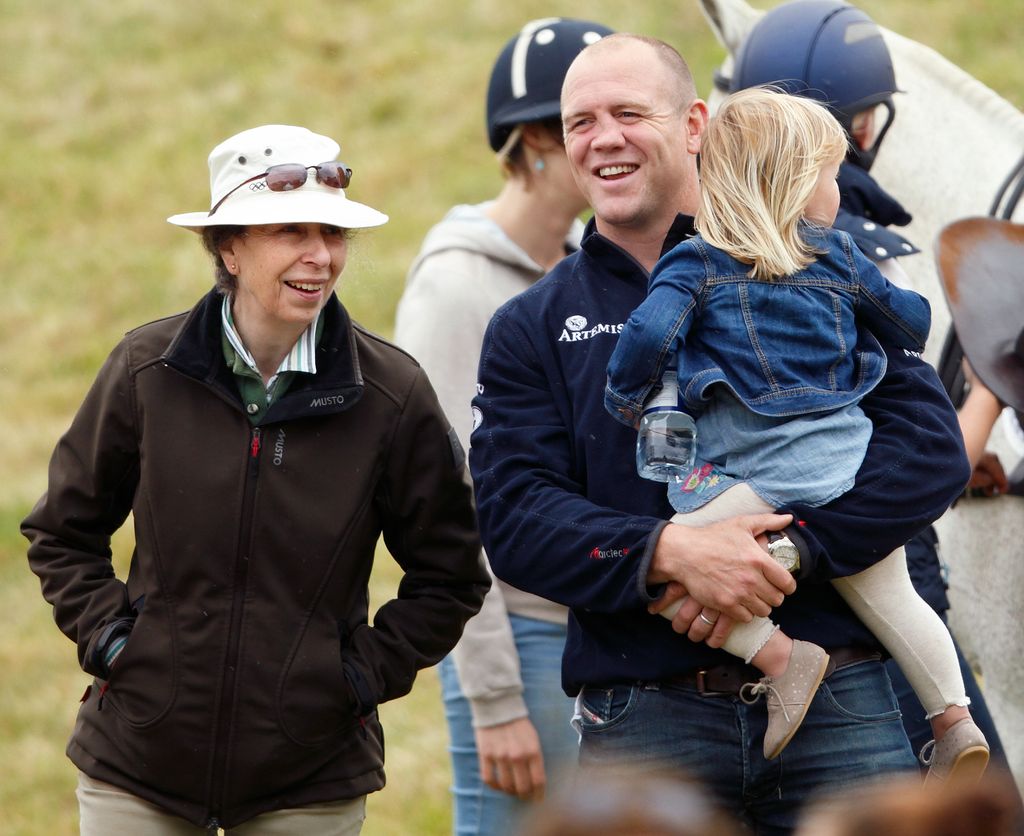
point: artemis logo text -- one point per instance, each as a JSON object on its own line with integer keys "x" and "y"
{"x": 576, "y": 329}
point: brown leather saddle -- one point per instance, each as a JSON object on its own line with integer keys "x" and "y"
{"x": 981, "y": 264}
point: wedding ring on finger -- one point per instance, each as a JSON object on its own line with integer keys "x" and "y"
{"x": 705, "y": 619}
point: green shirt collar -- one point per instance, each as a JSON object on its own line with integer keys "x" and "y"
{"x": 255, "y": 396}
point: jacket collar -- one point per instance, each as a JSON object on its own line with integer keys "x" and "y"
{"x": 617, "y": 261}
{"x": 196, "y": 352}
{"x": 860, "y": 194}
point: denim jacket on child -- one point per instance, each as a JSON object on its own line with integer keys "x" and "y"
{"x": 797, "y": 344}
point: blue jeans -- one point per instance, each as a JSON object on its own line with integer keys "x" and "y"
{"x": 852, "y": 731}
{"x": 478, "y": 809}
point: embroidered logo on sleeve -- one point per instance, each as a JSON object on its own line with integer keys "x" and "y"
{"x": 605, "y": 554}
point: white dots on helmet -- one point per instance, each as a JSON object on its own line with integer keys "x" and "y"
{"x": 544, "y": 36}
{"x": 591, "y": 38}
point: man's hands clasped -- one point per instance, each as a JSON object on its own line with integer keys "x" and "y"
{"x": 718, "y": 575}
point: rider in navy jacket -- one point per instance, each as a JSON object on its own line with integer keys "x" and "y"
{"x": 563, "y": 513}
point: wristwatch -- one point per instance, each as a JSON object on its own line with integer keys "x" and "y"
{"x": 785, "y": 552}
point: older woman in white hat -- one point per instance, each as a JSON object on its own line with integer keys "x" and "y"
{"x": 262, "y": 442}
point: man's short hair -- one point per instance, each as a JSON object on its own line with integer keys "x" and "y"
{"x": 667, "y": 54}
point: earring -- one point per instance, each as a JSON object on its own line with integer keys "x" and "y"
{"x": 539, "y": 164}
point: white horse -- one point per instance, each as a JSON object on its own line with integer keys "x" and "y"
{"x": 951, "y": 146}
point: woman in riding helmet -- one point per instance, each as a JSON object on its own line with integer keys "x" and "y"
{"x": 508, "y": 718}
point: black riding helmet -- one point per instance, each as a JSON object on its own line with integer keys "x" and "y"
{"x": 825, "y": 50}
{"x": 526, "y": 82}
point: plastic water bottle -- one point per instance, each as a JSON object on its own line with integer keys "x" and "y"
{"x": 667, "y": 439}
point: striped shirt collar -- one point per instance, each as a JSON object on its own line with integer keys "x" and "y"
{"x": 301, "y": 358}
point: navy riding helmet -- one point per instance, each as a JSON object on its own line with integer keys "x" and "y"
{"x": 825, "y": 50}
{"x": 526, "y": 82}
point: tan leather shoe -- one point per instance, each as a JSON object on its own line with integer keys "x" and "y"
{"x": 788, "y": 696}
{"x": 961, "y": 755}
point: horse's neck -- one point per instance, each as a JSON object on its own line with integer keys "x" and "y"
{"x": 914, "y": 57}
{"x": 953, "y": 140}
{"x": 951, "y": 145}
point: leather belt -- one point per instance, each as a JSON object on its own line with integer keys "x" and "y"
{"x": 728, "y": 678}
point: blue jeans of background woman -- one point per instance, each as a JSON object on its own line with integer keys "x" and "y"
{"x": 480, "y": 810}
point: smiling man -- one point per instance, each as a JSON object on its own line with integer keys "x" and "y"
{"x": 632, "y": 132}
{"x": 564, "y": 515}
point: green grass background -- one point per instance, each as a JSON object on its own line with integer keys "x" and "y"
{"x": 107, "y": 113}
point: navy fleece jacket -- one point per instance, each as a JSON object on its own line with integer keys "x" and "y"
{"x": 564, "y": 515}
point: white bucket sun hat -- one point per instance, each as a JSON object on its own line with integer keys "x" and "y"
{"x": 239, "y": 194}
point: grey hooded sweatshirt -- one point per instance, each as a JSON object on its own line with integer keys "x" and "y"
{"x": 466, "y": 269}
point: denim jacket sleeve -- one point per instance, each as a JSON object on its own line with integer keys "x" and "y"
{"x": 891, "y": 313}
{"x": 914, "y": 468}
{"x": 653, "y": 334}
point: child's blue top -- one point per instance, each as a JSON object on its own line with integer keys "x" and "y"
{"x": 774, "y": 370}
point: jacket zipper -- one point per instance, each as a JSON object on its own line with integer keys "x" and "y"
{"x": 219, "y": 755}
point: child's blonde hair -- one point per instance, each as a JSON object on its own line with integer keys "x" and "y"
{"x": 759, "y": 164}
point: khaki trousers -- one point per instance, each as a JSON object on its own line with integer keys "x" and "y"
{"x": 105, "y": 810}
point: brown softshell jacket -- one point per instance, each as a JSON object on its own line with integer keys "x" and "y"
{"x": 250, "y": 677}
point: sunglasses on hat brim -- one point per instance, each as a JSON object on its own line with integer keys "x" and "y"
{"x": 289, "y": 176}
